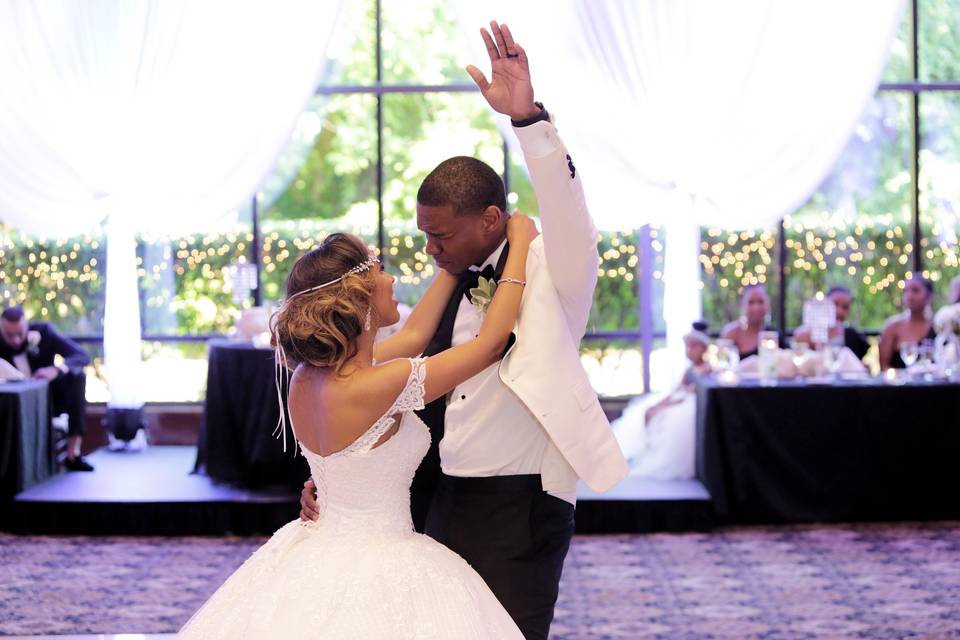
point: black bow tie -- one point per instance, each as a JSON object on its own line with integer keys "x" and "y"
{"x": 471, "y": 278}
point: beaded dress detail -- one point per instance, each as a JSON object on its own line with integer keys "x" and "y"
{"x": 360, "y": 571}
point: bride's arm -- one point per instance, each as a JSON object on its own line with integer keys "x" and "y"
{"x": 413, "y": 338}
{"x": 451, "y": 367}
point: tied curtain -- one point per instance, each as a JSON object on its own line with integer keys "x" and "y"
{"x": 682, "y": 113}
{"x": 147, "y": 116}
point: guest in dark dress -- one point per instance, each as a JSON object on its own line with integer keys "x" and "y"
{"x": 745, "y": 332}
{"x": 31, "y": 347}
{"x": 842, "y": 300}
{"x": 915, "y": 324}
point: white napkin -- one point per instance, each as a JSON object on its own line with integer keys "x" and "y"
{"x": 848, "y": 362}
{"x": 9, "y": 372}
{"x": 750, "y": 367}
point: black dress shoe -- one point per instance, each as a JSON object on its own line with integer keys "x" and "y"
{"x": 77, "y": 464}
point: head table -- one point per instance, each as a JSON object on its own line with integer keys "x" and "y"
{"x": 840, "y": 450}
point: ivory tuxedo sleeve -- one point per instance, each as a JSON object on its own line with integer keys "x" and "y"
{"x": 569, "y": 235}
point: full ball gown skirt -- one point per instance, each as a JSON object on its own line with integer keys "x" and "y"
{"x": 360, "y": 572}
{"x": 663, "y": 448}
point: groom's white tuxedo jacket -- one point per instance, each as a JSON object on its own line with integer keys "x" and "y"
{"x": 543, "y": 367}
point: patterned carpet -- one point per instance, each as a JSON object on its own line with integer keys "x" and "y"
{"x": 853, "y": 581}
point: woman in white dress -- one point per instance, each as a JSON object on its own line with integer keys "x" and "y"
{"x": 361, "y": 571}
{"x": 658, "y": 435}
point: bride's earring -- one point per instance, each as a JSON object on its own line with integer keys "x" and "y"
{"x": 366, "y": 323}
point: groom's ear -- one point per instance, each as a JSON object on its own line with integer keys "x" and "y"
{"x": 492, "y": 218}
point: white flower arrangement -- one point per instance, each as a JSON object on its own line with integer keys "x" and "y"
{"x": 947, "y": 320}
{"x": 33, "y": 342}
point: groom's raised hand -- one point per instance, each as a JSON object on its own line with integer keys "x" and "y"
{"x": 509, "y": 91}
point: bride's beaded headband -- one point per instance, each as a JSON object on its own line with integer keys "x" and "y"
{"x": 280, "y": 357}
{"x": 360, "y": 268}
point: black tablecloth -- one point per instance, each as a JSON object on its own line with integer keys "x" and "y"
{"x": 236, "y": 443}
{"x": 804, "y": 453}
{"x": 27, "y": 455}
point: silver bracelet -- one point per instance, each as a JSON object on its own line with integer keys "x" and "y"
{"x": 522, "y": 283}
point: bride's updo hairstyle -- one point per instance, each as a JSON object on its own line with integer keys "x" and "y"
{"x": 320, "y": 327}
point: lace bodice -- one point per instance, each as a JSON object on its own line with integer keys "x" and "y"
{"x": 367, "y": 488}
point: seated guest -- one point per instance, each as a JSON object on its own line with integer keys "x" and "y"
{"x": 915, "y": 324}
{"x": 745, "y": 332}
{"x": 657, "y": 435}
{"x": 842, "y": 299}
{"x": 31, "y": 347}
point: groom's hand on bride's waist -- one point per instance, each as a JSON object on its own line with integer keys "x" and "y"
{"x": 309, "y": 509}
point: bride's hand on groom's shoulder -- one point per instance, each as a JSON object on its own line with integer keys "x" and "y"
{"x": 521, "y": 229}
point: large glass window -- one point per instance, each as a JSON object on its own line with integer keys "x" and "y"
{"x": 938, "y": 26}
{"x": 386, "y": 114}
{"x": 730, "y": 261}
{"x": 420, "y": 131}
{"x": 856, "y": 230}
{"x": 326, "y": 181}
{"x": 940, "y": 188}
{"x": 58, "y": 281}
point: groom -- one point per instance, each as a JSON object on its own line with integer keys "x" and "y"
{"x": 499, "y": 484}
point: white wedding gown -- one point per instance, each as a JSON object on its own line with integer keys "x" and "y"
{"x": 360, "y": 572}
{"x": 663, "y": 448}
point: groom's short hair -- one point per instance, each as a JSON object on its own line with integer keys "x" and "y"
{"x": 464, "y": 183}
{"x": 12, "y": 314}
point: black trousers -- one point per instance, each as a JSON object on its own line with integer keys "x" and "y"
{"x": 68, "y": 394}
{"x": 513, "y": 534}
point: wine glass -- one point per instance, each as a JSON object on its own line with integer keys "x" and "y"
{"x": 925, "y": 354}
{"x": 831, "y": 357}
{"x": 909, "y": 352}
{"x": 725, "y": 356}
{"x": 800, "y": 351}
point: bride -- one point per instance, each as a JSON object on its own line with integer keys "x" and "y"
{"x": 361, "y": 571}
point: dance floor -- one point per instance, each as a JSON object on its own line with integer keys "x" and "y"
{"x": 838, "y": 581}
{"x": 98, "y": 636}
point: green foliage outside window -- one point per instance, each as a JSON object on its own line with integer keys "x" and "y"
{"x": 855, "y": 229}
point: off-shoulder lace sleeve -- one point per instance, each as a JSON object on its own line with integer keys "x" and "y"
{"x": 411, "y": 398}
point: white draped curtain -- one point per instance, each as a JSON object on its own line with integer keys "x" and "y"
{"x": 684, "y": 113}
{"x": 146, "y": 116}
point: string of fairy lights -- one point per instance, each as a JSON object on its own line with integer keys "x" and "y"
{"x": 63, "y": 279}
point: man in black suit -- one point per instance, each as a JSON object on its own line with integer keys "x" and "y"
{"x": 31, "y": 347}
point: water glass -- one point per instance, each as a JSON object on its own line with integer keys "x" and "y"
{"x": 725, "y": 355}
{"x": 800, "y": 352}
{"x": 768, "y": 350}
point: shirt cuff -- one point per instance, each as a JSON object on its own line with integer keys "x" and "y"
{"x": 538, "y": 139}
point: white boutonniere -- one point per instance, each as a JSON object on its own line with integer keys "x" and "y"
{"x": 482, "y": 295}
{"x": 33, "y": 342}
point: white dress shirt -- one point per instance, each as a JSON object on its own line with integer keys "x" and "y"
{"x": 21, "y": 362}
{"x": 488, "y": 430}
